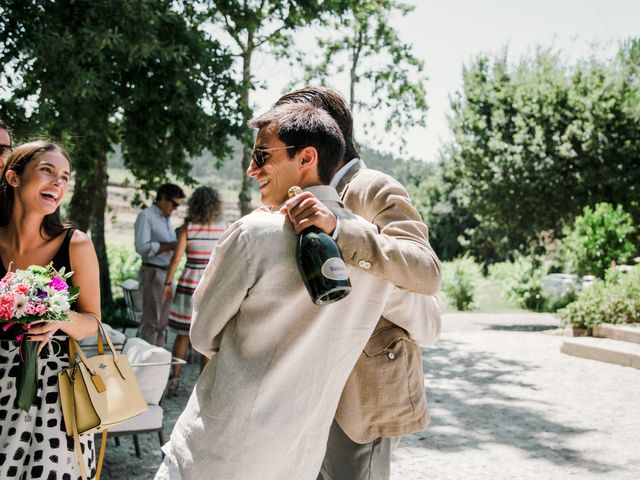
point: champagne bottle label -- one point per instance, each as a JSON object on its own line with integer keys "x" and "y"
{"x": 335, "y": 269}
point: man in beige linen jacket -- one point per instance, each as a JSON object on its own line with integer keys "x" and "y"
{"x": 263, "y": 405}
{"x": 384, "y": 395}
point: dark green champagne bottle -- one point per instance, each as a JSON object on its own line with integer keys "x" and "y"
{"x": 320, "y": 264}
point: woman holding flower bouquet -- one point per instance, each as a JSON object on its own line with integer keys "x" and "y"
{"x": 39, "y": 312}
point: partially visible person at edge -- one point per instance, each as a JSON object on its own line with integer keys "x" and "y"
{"x": 263, "y": 405}
{"x": 5, "y": 143}
{"x": 34, "y": 183}
{"x": 376, "y": 407}
{"x": 198, "y": 236}
{"x": 155, "y": 240}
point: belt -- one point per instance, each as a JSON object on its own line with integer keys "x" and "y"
{"x": 155, "y": 266}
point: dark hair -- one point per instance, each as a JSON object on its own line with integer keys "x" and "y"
{"x": 168, "y": 191}
{"x": 303, "y": 125}
{"x": 4, "y": 126}
{"x": 335, "y": 104}
{"x": 17, "y": 162}
{"x": 205, "y": 206}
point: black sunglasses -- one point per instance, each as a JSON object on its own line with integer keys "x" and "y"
{"x": 259, "y": 154}
{"x": 4, "y": 149}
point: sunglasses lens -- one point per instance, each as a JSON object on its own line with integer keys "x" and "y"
{"x": 258, "y": 158}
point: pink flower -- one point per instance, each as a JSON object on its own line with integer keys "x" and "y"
{"x": 21, "y": 288}
{"x": 6, "y": 279}
{"x": 58, "y": 284}
{"x": 35, "y": 308}
{"x": 31, "y": 308}
{"x": 7, "y": 301}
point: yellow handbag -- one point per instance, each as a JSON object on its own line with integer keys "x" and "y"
{"x": 97, "y": 393}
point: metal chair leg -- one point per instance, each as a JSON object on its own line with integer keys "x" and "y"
{"x": 161, "y": 437}
{"x": 136, "y": 444}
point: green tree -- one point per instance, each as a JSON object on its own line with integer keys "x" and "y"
{"x": 251, "y": 25}
{"x": 135, "y": 73}
{"x": 536, "y": 141}
{"x": 383, "y": 72}
{"x": 441, "y": 202}
{"x": 599, "y": 238}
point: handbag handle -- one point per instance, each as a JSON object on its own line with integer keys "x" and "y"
{"x": 74, "y": 345}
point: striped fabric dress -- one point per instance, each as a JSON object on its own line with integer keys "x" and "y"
{"x": 201, "y": 240}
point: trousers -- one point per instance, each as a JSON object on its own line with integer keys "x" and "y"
{"x": 155, "y": 311}
{"x": 348, "y": 460}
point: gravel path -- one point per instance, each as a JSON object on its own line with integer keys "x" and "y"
{"x": 504, "y": 402}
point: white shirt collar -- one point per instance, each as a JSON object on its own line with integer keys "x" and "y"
{"x": 341, "y": 173}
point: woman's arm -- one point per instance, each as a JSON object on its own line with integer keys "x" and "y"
{"x": 181, "y": 246}
{"x": 83, "y": 321}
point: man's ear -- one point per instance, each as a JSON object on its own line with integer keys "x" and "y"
{"x": 308, "y": 157}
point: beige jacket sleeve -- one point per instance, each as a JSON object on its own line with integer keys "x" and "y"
{"x": 420, "y": 315}
{"x": 225, "y": 283}
{"x": 400, "y": 252}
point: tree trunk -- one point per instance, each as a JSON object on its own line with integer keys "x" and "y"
{"x": 353, "y": 76}
{"x": 244, "y": 198}
{"x": 81, "y": 205}
{"x": 96, "y": 225}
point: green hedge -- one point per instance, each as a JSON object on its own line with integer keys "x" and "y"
{"x": 616, "y": 299}
{"x": 459, "y": 280}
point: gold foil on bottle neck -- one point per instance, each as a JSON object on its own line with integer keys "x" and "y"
{"x": 293, "y": 191}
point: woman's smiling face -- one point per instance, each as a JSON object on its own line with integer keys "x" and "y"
{"x": 44, "y": 182}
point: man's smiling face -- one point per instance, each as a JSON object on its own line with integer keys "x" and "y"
{"x": 279, "y": 171}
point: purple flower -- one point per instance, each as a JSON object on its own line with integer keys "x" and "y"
{"x": 42, "y": 294}
{"x": 58, "y": 284}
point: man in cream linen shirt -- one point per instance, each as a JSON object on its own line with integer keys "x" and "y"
{"x": 263, "y": 405}
{"x": 384, "y": 396}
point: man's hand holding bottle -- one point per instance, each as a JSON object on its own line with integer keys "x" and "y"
{"x": 305, "y": 210}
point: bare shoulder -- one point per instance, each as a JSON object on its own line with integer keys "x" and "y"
{"x": 80, "y": 238}
{"x": 81, "y": 246}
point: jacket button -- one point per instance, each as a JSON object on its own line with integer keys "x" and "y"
{"x": 391, "y": 355}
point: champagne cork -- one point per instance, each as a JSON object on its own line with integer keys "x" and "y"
{"x": 293, "y": 191}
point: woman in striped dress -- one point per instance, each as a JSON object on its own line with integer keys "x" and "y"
{"x": 198, "y": 236}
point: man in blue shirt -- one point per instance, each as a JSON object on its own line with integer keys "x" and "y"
{"x": 155, "y": 240}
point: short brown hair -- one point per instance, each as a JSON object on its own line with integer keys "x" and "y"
{"x": 335, "y": 104}
{"x": 304, "y": 125}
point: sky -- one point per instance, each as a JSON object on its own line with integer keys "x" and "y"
{"x": 447, "y": 35}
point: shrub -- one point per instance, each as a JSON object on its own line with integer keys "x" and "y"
{"x": 459, "y": 280}
{"x": 124, "y": 263}
{"x": 616, "y": 299}
{"x": 521, "y": 281}
{"x": 598, "y": 237}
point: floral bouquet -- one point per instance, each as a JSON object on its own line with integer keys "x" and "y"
{"x": 35, "y": 293}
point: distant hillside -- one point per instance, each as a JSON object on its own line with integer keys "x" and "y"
{"x": 204, "y": 166}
